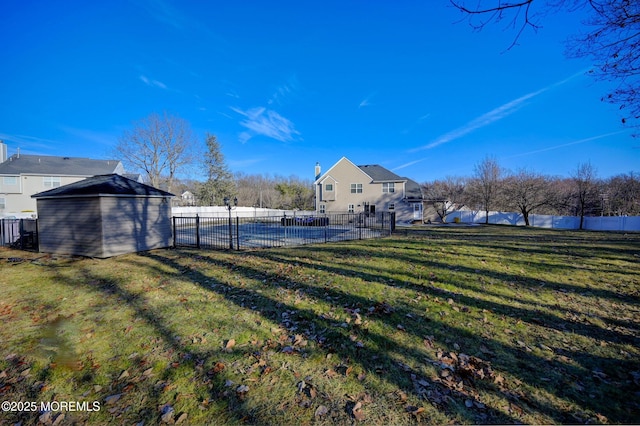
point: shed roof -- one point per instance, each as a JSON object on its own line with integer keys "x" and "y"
{"x": 104, "y": 185}
{"x": 56, "y": 166}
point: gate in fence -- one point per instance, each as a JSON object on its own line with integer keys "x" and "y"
{"x": 238, "y": 233}
{"x": 19, "y": 233}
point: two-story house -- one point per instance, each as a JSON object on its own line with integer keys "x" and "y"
{"x": 346, "y": 187}
{"x": 22, "y": 175}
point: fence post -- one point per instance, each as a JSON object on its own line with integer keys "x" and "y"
{"x": 285, "y": 228}
{"x": 36, "y": 238}
{"x": 325, "y": 226}
{"x": 197, "y": 231}
{"x": 21, "y": 234}
{"x": 237, "y": 233}
{"x": 174, "y": 231}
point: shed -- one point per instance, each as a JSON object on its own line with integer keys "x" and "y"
{"x": 103, "y": 216}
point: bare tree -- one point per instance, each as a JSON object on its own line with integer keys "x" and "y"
{"x": 445, "y": 196}
{"x": 527, "y": 191}
{"x": 622, "y": 195}
{"x": 256, "y": 190}
{"x": 484, "y": 188}
{"x": 296, "y": 193}
{"x": 612, "y": 42}
{"x": 158, "y": 146}
{"x": 585, "y": 189}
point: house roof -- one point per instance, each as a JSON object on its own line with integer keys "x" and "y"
{"x": 380, "y": 174}
{"x": 104, "y": 185}
{"x": 23, "y": 164}
{"x": 412, "y": 190}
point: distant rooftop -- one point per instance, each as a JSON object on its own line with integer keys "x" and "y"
{"x": 57, "y": 166}
{"x": 104, "y": 185}
{"x": 380, "y": 174}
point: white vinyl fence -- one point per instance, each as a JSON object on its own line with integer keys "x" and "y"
{"x": 222, "y": 211}
{"x": 593, "y": 223}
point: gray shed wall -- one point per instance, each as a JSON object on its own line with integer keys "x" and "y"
{"x": 131, "y": 225}
{"x": 70, "y": 226}
{"x": 103, "y": 226}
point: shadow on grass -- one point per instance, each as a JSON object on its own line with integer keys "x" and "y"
{"x": 157, "y": 404}
{"x": 381, "y": 354}
{"x": 382, "y": 359}
{"x": 378, "y": 274}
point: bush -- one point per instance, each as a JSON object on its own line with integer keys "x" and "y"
{"x": 456, "y": 220}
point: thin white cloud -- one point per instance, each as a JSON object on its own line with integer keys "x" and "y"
{"x": 484, "y": 120}
{"x": 410, "y": 163}
{"x": 418, "y": 122}
{"x": 28, "y": 142}
{"x": 153, "y": 83}
{"x": 366, "y": 101}
{"x": 494, "y": 115}
{"x": 165, "y": 13}
{"x": 284, "y": 92}
{"x": 593, "y": 138}
{"x": 179, "y": 18}
{"x": 265, "y": 122}
{"x": 91, "y": 135}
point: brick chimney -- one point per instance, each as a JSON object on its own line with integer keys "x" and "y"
{"x": 3, "y": 152}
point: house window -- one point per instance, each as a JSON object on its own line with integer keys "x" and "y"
{"x": 356, "y": 188}
{"x": 3, "y": 204}
{"x": 388, "y": 187}
{"x": 392, "y": 206}
{"x": 351, "y": 208}
{"x": 51, "y": 181}
{"x": 10, "y": 180}
{"x": 328, "y": 187}
{"x": 322, "y": 208}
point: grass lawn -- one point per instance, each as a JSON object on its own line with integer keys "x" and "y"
{"x": 432, "y": 325}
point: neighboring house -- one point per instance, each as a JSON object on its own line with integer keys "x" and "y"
{"x": 187, "y": 199}
{"x": 22, "y": 175}
{"x": 134, "y": 176}
{"x": 346, "y": 187}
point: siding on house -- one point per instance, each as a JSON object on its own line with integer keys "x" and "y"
{"x": 24, "y": 175}
{"x": 368, "y": 187}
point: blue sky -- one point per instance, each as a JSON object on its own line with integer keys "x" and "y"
{"x": 285, "y": 84}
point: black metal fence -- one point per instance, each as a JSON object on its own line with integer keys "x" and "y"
{"x": 238, "y": 233}
{"x": 19, "y": 233}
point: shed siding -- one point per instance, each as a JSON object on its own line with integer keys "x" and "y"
{"x": 70, "y": 226}
{"x": 133, "y": 224}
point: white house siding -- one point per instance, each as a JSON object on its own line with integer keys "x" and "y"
{"x": 18, "y": 197}
{"x": 31, "y": 172}
{"x": 342, "y": 175}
